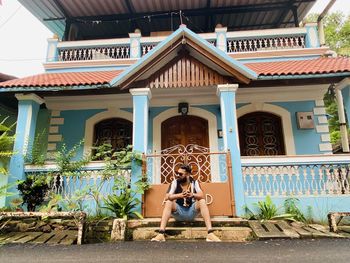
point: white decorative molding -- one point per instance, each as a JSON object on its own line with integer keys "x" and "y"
{"x": 226, "y": 88}
{"x": 325, "y": 147}
{"x": 53, "y": 129}
{"x": 279, "y": 111}
{"x": 344, "y": 83}
{"x": 267, "y": 32}
{"x": 31, "y": 97}
{"x": 320, "y": 111}
{"x": 88, "y": 102}
{"x": 141, "y": 92}
{"x": 55, "y": 113}
{"x": 212, "y": 126}
{"x": 325, "y": 138}
{"x": 90, "y": 123}
{"x": 57, "y": 121}
{"x": 281, "y": 94}
{"x": 322, "y": 120}
{"x": 319, "y": 103}
{"x": 322, "y": 129}
{"x": 54, "y": 138}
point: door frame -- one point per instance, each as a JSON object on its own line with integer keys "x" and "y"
{"x": 195, "y": 111}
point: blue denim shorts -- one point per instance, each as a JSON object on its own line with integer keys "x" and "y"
{"x": 187, "y": 214}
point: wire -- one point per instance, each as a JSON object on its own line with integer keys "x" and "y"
{"x": 8, "y": 19}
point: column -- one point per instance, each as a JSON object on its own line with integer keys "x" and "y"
{"x": 221, "y": 42}
{"x": 135, "y": 45}
{"x": 52, "y": 53}
{"x": 140, "y": 97}
{"x": 311, "y": 38}
{"x": 227, "y": 95}
{"x": 28, "y": 108}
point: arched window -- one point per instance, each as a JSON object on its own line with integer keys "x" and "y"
{"x": 114, "y": 131}
{"x": 261, "y": 133}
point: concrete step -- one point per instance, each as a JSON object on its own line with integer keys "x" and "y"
{"x": 198, "y": 222}
{"x": 233, "y": 234}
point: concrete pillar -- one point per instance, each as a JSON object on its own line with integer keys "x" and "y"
{"x": 227, "y": 95}
{"x": 52, "y": 52}
{"x": 311, "y": 38}
{"x": 135, "y": 45}
{"x": 28, "y": 108}
{"x": 221, "y": 41}
{"x": 141, "y": 97}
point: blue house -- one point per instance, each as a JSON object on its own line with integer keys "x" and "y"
{"x": 235, "y": 90}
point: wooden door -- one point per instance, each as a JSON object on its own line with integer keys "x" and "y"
{"x": 184, "y": 130}
{"x": 260, "y": 133}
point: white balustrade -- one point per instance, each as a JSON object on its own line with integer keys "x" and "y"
{"x": 298, "y": 176}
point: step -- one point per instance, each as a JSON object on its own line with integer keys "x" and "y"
{"x": 198, "y": 222}
{"x": 232, "y": 234}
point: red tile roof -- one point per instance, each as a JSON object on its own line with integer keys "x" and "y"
{"x": 63, "y": 79}
{"x": 276, "y": 68}
{"x": 301, "y": 67}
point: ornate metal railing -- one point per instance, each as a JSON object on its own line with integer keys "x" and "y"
{"x": 94, "y": 53}
{"x": 91, "y": 177}
{"x": 206, "y": 166}
{"x": 301, "y": 178}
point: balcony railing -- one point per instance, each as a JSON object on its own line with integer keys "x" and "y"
{"x": 90, "y": 177}
{"x": 235, "y": 42}
{"x": 297, "y": 176}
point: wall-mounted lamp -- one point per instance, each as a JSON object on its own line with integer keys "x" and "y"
{"x": 183, "y": 108}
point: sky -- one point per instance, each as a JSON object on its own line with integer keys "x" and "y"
{"x": 23, "y": 38}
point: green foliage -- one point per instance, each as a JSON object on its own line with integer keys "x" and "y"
{"x": 34, "y": 189}
{"x": 64, "y": 159}
{"x": 36, "y": 155}
{"x": 267, "y": 210}
{"x": 291, "y": 207}
{"x": 4, "y": 189}
{"x": 6, "y": 144}
{"x": 309, "y": 215}
{"x": 52, "y": 205}
{"x": 337, "y": 31}
{"x": 76, "y": 201}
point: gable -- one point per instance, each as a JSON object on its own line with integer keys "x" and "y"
{"x": 185, "y": 71}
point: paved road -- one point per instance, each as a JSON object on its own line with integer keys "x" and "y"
{"x": 286, "y": 251}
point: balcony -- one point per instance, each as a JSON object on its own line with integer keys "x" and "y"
{"x": 127, "y": 50}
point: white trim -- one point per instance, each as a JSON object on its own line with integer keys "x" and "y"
{"x": 31, "y": 96}
{"x": 55, "y": 113}
{"x": 141, "y": 92}
{"x": 54, "y": 138}
{"x": 223, "y": 121}
{"x": 93, "y": 43}
{"x": 53, "y": 129}
{"x": 325, "y": 138}
{"x": 27, "y": 130}
{"x": 280, "y": 32}
{"x": 296, "y": 159}
{"x": 322, "y": 120}
{"x": 145, "y": 127}
{"x": 319, "y": 103}
{"x": 281, "y": 112}
{"x": 320, "y": 111}
{"x": 226, "y": 88}
{"x": 51, "y": 146}
{"x": 281, "y": 94}
{"x": 325, "y": 147}
{"x": 57, "y": 121}
{"x": 322, "y": 129}
{"x": 90, "y": 123}
{"x": 212, "y": 130}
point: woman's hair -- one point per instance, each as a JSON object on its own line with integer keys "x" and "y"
{"x": 186, "y": 167}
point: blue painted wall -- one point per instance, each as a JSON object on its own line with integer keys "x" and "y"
{"x": 73, "y": 129}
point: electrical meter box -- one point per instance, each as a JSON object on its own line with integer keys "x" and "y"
{"x": 305, "y": 120}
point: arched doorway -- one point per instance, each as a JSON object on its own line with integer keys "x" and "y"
{"x": 261, "y": 133}
{"x": 183, "y": 130}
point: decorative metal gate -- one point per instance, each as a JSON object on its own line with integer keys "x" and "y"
{"x": 212, "y": 169}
